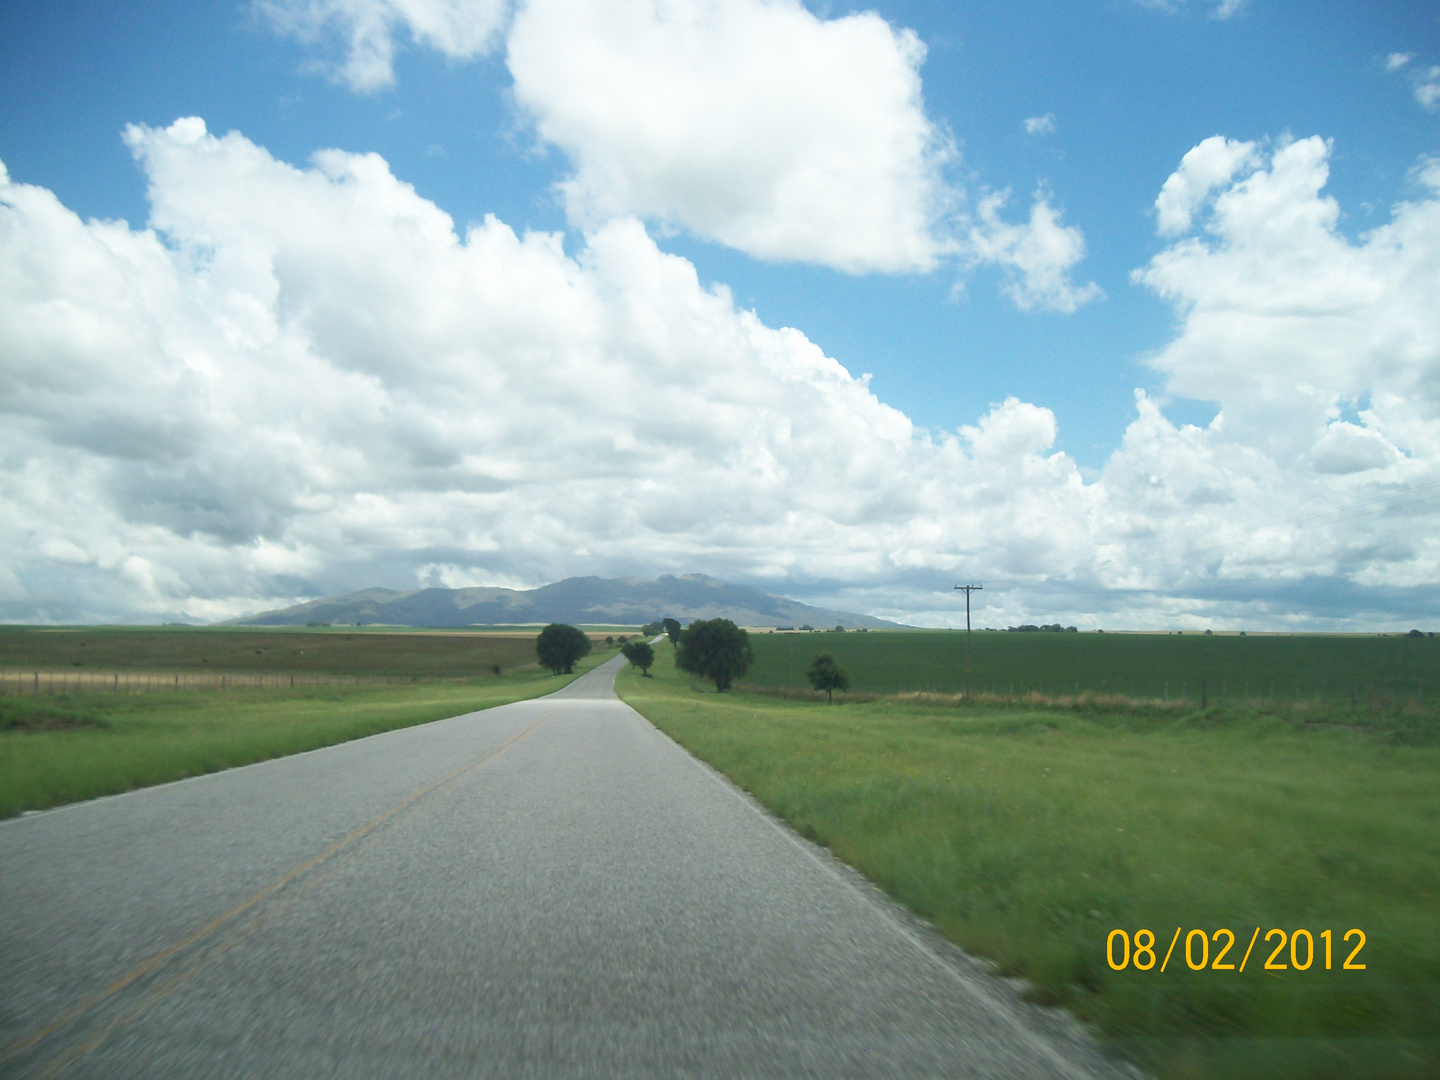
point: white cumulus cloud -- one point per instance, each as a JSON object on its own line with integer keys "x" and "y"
{"x": 1424, "y": 81}
{"x": 299, "y": 380}
{"x": 367, "y": 29}
{"x": 1223, "y": 10}
{"x": 1037, "y": 255}
{"x": 1208, "y": 166}
{"x": 1427, "y": 88}
{"x": 299, "y": 375}
{"x": 1280, "y": 305}
{"x": 754, "y": 123}
{"x": 1323, "y": 354}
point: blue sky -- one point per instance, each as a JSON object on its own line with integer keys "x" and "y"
{"x": 1118, "y": 92}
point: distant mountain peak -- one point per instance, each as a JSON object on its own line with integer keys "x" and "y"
{"x": 579, "y": 600}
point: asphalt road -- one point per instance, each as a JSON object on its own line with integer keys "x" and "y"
{"x": 550, "y": 888}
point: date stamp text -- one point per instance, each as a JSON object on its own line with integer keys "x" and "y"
{"x": 1296, "y": 950}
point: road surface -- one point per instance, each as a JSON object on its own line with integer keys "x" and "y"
{"x": 551, "y": 888}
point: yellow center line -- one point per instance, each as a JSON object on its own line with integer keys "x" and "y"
{"x": 211, "y": 955}
{"x": 218, "y": 950}
{"x": 85, "y": 1005}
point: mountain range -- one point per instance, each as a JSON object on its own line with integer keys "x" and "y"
{"x": 578, "y": 600}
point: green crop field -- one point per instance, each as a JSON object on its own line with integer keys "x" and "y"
{"x": 1381, "y": 670}
{"x": 319, "y": 651}
{"x": 62, "y": 747}
{"x": 1028, "y": 832}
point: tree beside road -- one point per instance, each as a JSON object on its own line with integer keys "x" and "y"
{"x": 640, "y": 654}
{"x": 559, "y": 646}
{"x": 716, "y": 649}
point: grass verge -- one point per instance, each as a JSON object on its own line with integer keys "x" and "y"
{"x": 57, "y": 749}
{"x": 1028, "y": 832}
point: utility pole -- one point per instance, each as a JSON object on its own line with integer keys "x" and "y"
{"x": 968, "y": 589}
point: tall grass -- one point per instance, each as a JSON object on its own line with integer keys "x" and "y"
{"x": 1027, "y": 831}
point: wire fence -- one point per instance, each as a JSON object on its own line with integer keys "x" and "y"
{"x": 62, "y": 681}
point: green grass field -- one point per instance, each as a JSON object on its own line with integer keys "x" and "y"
{"x": 59, "y": 748}
{"x": 1385, "y": 671}
{"x": 1028, "y": 833}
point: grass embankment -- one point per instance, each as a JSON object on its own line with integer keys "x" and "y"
{"x": 59, "y": 748}
{"x": 1028, "y": 833}
{"x": 1383, "y": 671}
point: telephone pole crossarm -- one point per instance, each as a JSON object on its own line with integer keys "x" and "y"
{"x": 968, "y": 589}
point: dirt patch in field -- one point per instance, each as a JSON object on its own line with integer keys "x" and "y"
{"x": 34, "y": 720}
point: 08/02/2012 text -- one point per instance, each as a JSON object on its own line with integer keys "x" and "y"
{"x": 1301, "y": 953}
